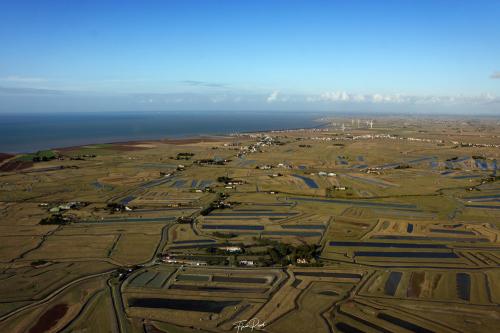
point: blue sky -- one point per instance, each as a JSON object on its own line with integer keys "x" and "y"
{"x": 276, "y": 55}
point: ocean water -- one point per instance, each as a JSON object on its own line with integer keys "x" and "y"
{"x": 32, "y": 132}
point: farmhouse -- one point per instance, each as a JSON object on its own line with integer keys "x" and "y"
{"x": 231, "y": 249}
{"x": 247, "y": 262}
{"x": 172, "y": 260}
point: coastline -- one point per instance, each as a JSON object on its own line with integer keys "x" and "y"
{"x": 24, "y": 135}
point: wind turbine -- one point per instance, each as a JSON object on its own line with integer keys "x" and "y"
{"x": 343, "y": 127}
{"x": 371, "y": 124}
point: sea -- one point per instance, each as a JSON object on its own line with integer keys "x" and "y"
{"x": 20, "y": 133}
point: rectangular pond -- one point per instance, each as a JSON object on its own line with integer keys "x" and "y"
{"x": 245, "y": 214}
{"x": 454, "y": 232}
{"x": 463, "y": 286}
{"x": 403, "y": 323}
{"x": 218, "y": 289}
{"x": 392, "y": 283}
{"x": 293, "y": 233}
{"x": 483, "y": 206}
{"x": 230, "y": 217}
{"x": 346, "y": 328}
{"x": 198, "y": 305}
{"x": 238, "y": 279}
{"x": 340, "y": 275}
{"x": 253, "y": 210}
{"x": 433, "y": 255}
{"x": 193, "y": 277}
{"x": 388, "y": 245}
{"x": 431, "y": 239}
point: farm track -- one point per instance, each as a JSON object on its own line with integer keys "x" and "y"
{"x": 386, "y": 306}
{"x": 112, "y": 248}
{"x": 324, "y": 238}
{"x": 119, "y": 310}
{"x": 161, "y": 244}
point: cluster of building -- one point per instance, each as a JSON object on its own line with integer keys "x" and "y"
{"x": 65, "y": 206}
{"x": 301, "y": 130}
{"x": 233, "y": 183}
{"x": 476, "y": 145}
{"x": 263, "y": 141}
{"x": 374, "y": 170}
{"x": 231, "y": 249}
{"x": 168, "y": 259}
{"x": 173, "y": 260}
{"x": 212, "y": 161}
{"x": 206, "y": 189}
{"x": 327, "y": 174}
{"x": 374, "y": 136}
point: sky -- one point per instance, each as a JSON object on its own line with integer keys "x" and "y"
{"x": 401, "y": 55}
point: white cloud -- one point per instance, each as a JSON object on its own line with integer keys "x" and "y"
{"x": 377, "y": 98}
{"x": 495, "y": 75}
{"x": 22, "y": 79}
{"x": 218, "y": 99}
{"x": 196, "y": 83}
{"x": 273, "y": 97}
{"x": 335, "y": 96}
{"x": 29, "y": 91}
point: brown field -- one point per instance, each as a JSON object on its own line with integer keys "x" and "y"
{"x": 392, "y": 227}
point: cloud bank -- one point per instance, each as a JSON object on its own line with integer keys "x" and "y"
{"x": 22, "y": 79}
{"x": 37, "y": 99}
{"x": 376, "y": 98}
{"x": 195, "y": 83}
